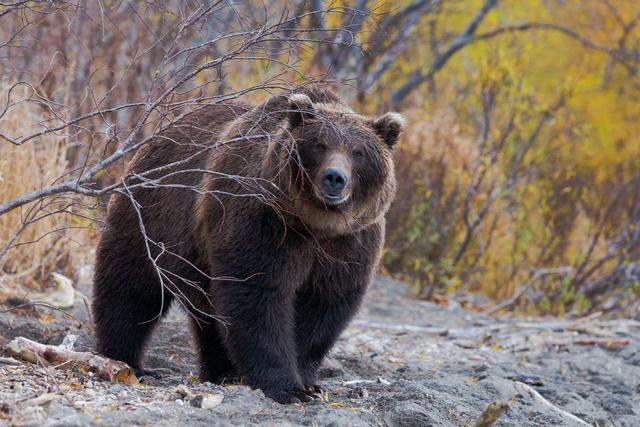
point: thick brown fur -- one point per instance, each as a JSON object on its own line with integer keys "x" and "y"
{"x": 269, "y": 257}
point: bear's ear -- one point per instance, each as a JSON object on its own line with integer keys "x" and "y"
{"x": 389, "y": 127}
{"x": 300, "y": 109}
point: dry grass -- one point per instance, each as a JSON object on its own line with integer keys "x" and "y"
{"x": 424, "y": 225}
{"x": 43, "y": 240}
{"x": 528, "y": 227}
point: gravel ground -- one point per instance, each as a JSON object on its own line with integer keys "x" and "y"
{"x": 401, "y": 363}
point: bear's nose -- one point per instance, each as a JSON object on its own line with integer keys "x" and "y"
{"x": 334, "y": 180}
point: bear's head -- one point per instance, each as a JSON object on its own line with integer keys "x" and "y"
{"x": 341, "y": 173}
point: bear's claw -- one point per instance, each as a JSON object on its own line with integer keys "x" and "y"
{"x": 291, "y": 396}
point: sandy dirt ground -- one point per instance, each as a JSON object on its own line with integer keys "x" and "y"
{"x": 402, "y": 362}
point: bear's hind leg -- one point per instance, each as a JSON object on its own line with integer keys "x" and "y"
{"x": 127, "y": 304}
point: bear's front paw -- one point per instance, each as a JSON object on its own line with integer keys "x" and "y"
{"x": 289, "y": 396}
{"x": 309, "y": 377}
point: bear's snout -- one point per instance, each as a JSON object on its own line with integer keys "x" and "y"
{"x": 334, "y": 181}
{"x": 332, "y": 184}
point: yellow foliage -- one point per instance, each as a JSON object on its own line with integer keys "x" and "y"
{"x": 587, "y": 149}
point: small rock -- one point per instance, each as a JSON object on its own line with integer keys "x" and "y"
{"x": 196, "y": 402}
{"x": 350, "y": 348}
{"x": 208, "y": 401}
{"x": 183, "y": 391}
{"x": 69, "y": 341}
{"x": 359, "y": 393}
{"x": 117, "y": 388}
{"x": 375, "y": 346}
{"x": 179, "y": 402}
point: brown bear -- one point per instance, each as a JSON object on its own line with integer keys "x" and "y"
{"x": 265, "y": 222}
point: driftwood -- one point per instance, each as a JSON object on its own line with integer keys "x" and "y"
{"x": 60, "y": 357}
{"x": 530, "y": 393}
{"x": 603, "y": 342}
{"x": 401, "y": 327}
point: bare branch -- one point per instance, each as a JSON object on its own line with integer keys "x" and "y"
{"x": 466, "y": 37}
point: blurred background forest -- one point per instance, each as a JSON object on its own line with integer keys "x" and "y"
{"x": 519, "y": 170}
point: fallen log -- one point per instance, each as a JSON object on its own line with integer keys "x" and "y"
{"x": 60, "y": 357}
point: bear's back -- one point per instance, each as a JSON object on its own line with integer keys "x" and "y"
{"x": 188, "y": 141}
{"x": 174, "y": 162}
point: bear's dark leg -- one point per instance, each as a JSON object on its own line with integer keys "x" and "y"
{"x": 127, "y": 304}
{"x": 215, "y": 365}
{"x": 259, "y": 336}
{"x": 332, "y": 295}
{"x": 321, "y": 315}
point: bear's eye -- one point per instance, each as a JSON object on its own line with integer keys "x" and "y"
{"x": 357, "y": 153}
{"x": 321, "y": 147}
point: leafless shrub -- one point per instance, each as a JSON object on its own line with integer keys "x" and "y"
{"x": 106, "y": 81}
{"x": 85, "y": 85}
